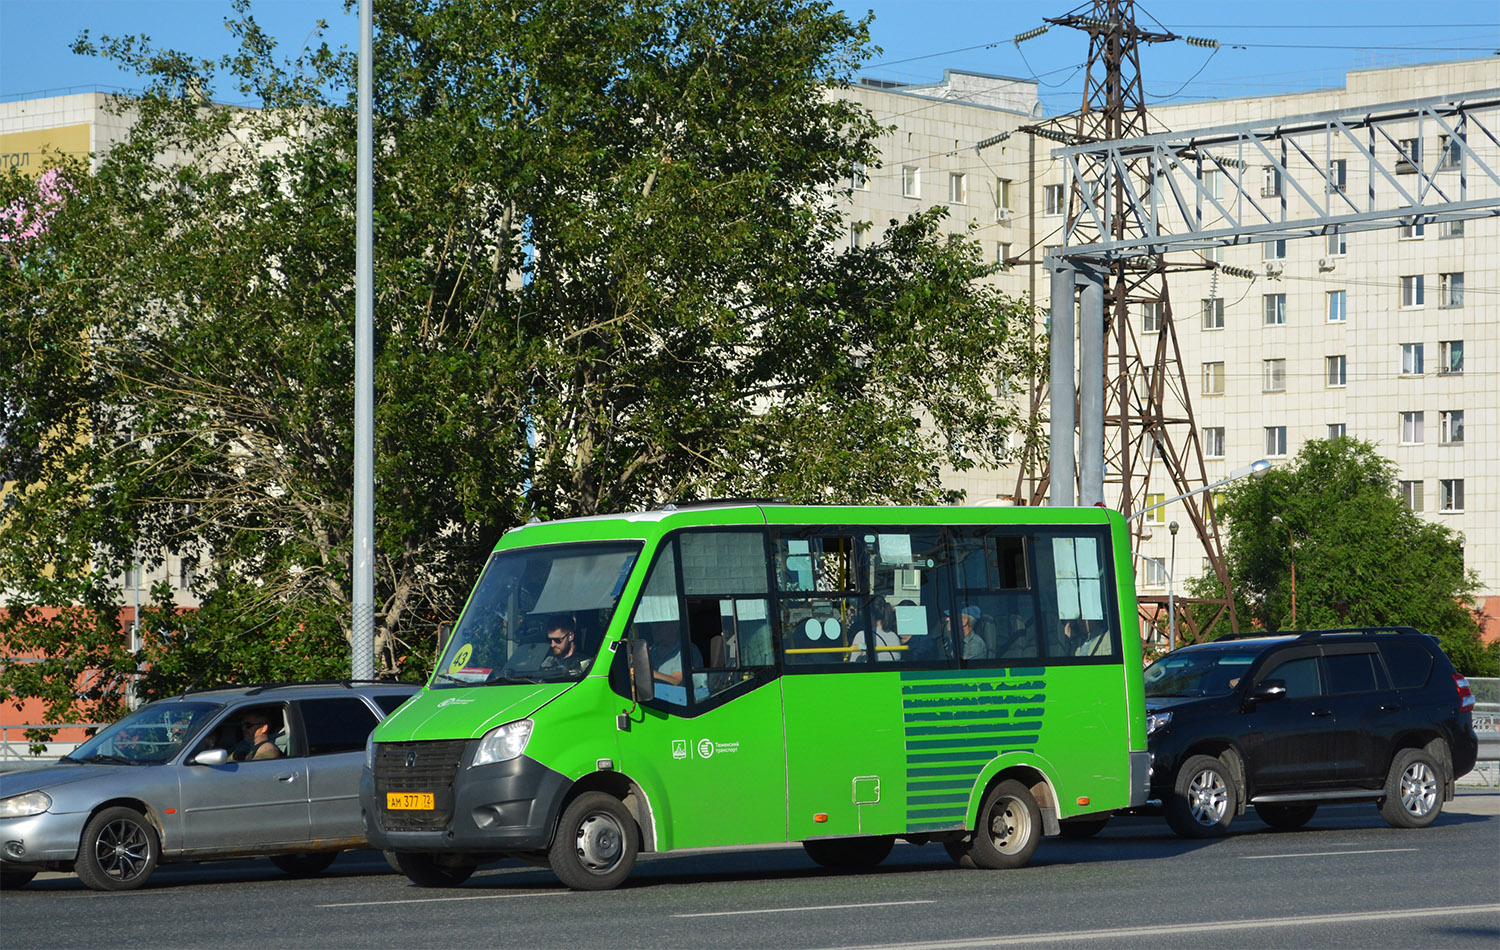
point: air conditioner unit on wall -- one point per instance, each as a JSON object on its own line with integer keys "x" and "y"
{"x": 1273, "y": 267}
{"x": 1325, "y": 263}
{"x": 1002, "y": 214}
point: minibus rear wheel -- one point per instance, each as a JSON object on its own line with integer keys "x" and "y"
{"x": 1010, "y": 827}
{"x": 596, "y": 843}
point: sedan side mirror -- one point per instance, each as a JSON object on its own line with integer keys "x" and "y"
{"x": 1267, "y": 690}
{"x": 211, "y": 757}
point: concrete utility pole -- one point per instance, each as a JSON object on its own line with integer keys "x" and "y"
{"x": 362, "y": 660}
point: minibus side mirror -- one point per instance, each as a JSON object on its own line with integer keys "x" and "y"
{"x": 640, "y": 671}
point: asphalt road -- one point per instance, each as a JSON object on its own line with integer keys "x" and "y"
{"x": 1347, "y": 880}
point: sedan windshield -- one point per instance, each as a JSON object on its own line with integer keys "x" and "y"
{"x": 537, "y": 614}
{"x": 1198, "y": 672}
{"x": 150, "y": 735}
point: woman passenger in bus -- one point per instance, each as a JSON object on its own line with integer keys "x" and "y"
{"x": 883, "y": 617}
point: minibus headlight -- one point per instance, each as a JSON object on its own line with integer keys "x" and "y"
{"x": 1157, "y": 720}
{"x": 503, "y": 743}
{"x": 26, "y": 805}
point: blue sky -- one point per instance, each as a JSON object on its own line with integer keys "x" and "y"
{"x": 1270, "y": 46}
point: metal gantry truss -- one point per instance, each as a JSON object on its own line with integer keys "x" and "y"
{"x": 1288, "y": 178}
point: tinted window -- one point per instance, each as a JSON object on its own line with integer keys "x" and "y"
{"x": 389, "y": 703}
{"x": 1408, "y": 663}
{"x": 1351, "y": 673}
{"x": 1300, "y": 676}
{"x": 336, "y": 725}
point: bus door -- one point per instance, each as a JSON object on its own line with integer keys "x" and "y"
{"x": 710, "y": 751}
{"x": 858, "y": 606}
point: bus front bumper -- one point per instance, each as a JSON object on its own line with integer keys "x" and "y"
{"x": 503, "y": 807}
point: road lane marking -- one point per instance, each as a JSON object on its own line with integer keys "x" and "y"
{"x": 1321, "y": 854}
{"x": 439, "y": 900}
{"x": 1163, "y": 930}
{"x": 790, "y": 910}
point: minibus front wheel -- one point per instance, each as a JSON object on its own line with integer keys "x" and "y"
{"x": 596, "y": 843}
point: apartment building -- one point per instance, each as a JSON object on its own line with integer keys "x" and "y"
{"x": 1388, "y": 335}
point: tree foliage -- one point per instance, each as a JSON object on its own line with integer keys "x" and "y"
{"x": 608, "y": 275}
{"x": 1361, "y": 556}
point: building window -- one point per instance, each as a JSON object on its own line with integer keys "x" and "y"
{"x": 1273, "y": 251}
{"x": 1002, "y": 196}
{"x": 1337, "y": 430}
{"x": 1273, "y": 376}
{"x": 859, "y": 178}
{"x": 1338, "y": 174}
{"x": 1410, "y": 158}
{"x": 1213, "y": 313}
{"x": 1451, "y": 426}
{"x": 1451, "y": 229}
{"x": 1153, "y": 572}
{"x": 1412, "y": 232}
{"x": 1451, "y": 356}
{"x": 1411, "y": 359}
{"x": 1338, "y": 244}
{"x": 1213, "y": 379}
{"x": 1411, "y": 292}
{"x": 1213, "y": 254}
{"x": 911, "y": 181}
{"x": 1270, "y": 181}
{"x": 1213, "y": 183}
{"x": 1451, "y": 492}
{"x": 1155, "y": 515}
{"x": 1052, "y": 199}
{"x": 1450, "y": 290}
{"x": 1411, "y": 493}
{"x": 1213, "y": 442}
{"x": 1151, "y": 317}
{"x": 1337, "y": 368}
{"x": 1275, "y": 440}
{"x": 958, "y": 188}
{"x": 1275, "y": 307}
{"x": 1449, "y": 156}
{"x": 1412, "y": 428}
{"x": 859, "y": 234}
{"x": 1338, "y": 308}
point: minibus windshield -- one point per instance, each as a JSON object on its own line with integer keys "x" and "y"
{"x": 537, "y": 615}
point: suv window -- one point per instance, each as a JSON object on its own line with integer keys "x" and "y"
{"x": 1300, "y": 676}
{"x": 1409, "y": 663}
{"x": 336, "y": 725}
{"x": 1351, "y": 673}
{"x": 388, "y": 704}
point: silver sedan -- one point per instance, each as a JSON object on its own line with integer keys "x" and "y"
{"x": 228, "y": 773}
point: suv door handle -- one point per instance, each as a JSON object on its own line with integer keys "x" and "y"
{"x": 1322, "y": 712}
{"x": 1390, "y": 707}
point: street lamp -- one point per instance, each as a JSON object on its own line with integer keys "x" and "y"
{"x": 1258, "y": 468}
{"x": 1172, "y": 592}
{"x": 1291, "y": 549}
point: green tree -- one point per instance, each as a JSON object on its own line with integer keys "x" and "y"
{"x": 1362, "y": 558}
{"x": 608, "y": 275}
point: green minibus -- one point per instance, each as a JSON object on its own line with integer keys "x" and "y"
{"x": 730, "y": 674}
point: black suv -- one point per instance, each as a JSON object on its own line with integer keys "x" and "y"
{"x": 1286, "y": 723}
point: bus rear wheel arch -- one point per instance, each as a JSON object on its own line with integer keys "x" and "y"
{"x": 1009, "y": 830}
{"x": 596, "y": 843}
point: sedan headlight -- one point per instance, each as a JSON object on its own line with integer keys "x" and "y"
{"x": 1157, "y": 720}
{"x": 25, "y": 805}
{"x": 503, "y": 743}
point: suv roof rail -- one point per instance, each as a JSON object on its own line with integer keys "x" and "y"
{"x": 1316, "y": 634}
{"x": 254, "y": 689}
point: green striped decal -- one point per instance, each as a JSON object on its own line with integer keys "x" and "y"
{"x": 956, "y": 721}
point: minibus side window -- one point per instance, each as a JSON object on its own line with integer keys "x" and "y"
{"x": 726, "y": 588}
{"x": 1076, "y": 588}
{"x": 997, "y": 610}
{"x": 821, "y": 600}
{"x": 906, "y": 566}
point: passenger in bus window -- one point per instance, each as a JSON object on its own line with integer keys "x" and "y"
{"x": 883, "y": 619}
{"x": 974, "y": 647}
{"x": 1087, "y": 637}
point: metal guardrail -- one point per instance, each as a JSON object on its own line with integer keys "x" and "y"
{"x": 1486, "y": 692}
{"x": 15, "y": 748}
